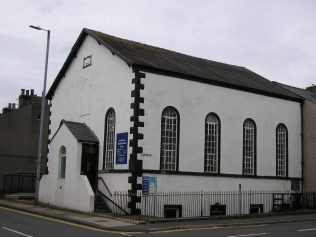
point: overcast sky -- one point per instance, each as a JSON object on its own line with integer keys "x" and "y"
{"x": 274, "y": 38}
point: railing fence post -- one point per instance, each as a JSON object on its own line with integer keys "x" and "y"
{"x": 19, "y": 185}
{"x": 11, "y": 185}
{"x": 22, "y": 181}
{"x": 3, "y": 188}
{"x": 144, "y": 207}
{"x": 33, "y": 183}
{"x": 239, "y": 200}
{"x": 201, "y": 198}
{"x": 153, "y": 199}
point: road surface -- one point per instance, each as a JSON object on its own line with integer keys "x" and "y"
{"x": 15, "y": 223}
{"x": 20, "y": 224}
{"x": 293, "y": 229}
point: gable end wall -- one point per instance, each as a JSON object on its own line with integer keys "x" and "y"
{"x": 85, "y": 94}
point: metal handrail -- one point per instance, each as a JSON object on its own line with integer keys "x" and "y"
{"x": 110, "y": 200}
{"x": 106, "y": 187}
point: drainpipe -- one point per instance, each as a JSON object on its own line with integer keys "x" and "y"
{"x": 302, "y": 143}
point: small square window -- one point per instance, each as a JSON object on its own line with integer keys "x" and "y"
{"x": 172, "y": 211}
{"x": 256, "y": 208}
{"x": 87, "y": 61}
{"x": 217, "y": 209}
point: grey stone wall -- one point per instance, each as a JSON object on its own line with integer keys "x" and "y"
{"x": 309, "y": 140}
{"x": 19, "y": 132}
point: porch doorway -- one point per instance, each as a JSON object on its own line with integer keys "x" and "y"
{"x": 89, "y": 163}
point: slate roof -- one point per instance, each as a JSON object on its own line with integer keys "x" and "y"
{"x": 158, "y": 60}
{"x": 306, "y": 94}
{"x": 80, "y": 131}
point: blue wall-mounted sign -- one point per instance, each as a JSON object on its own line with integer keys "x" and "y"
{"x": 121, "y": 148}
{"x": 145, "y": 185}
{"x": 149, "y": 185}
{"x": 152, "y": 185}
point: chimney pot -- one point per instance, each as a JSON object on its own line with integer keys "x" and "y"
{"x": 32, "y": 92}
{"x": 13, "y": 106}
{"x": 22, "y": 91}
{"x": 9, "y": 106}
{"x": 311, "y": 88}
{"x": 27, "y": 92}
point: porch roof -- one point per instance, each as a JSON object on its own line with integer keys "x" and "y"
{"x": 81, "y": 131}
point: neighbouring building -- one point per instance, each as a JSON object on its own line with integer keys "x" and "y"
{"x": 19, "y": 134}
{"x": 122, "y": 110}
{"x": 309, "y": 134}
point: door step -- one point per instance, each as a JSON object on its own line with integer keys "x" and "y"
{"x": 100, "y": 205}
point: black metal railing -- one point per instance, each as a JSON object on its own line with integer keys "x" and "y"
{"x": 206, "y": 204}
{"x": 108, "y": 198}
{"x": 103, "y": 184}
{"x": 19, "y": 183}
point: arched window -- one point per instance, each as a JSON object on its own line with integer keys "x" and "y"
{"x": 109, "y": 140}
{"x": 212, "y": 143}
{"x": 281, "y": 150}
{"x": 62, "y": 162}
{"x": 249, "y": 147}
{"x": 170, "y": 124}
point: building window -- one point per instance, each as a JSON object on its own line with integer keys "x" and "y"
{"x": 109, "y": 139}
{"x": 62, "y": 162}
{"x": 212, "y": 145}
{"x": 170, "y": 124}
{"x": 87, "y": 61}
{"x": 249, "y": 148}
{"x": 281, "y": 150}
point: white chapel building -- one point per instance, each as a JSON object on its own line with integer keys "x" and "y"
{"x": 122, "y": 110}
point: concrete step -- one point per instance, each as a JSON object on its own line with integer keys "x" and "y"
{"x": 100, "y": 205}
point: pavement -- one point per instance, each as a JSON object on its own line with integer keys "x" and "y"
{"x": 110, "y": 222}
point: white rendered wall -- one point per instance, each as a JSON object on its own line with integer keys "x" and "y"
{"x": 74, "y": 191}
{"x": 194, "y": 101}
{"x": 191, "y": 183}
{"x": 115, "y": 182}
{"x": 85, "y": 95}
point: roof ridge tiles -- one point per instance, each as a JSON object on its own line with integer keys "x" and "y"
{"x": 167, "y": 50}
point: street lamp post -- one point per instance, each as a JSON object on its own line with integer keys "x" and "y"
{"x": 40, "y": 142}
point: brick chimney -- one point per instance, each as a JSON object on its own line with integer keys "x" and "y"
{"x": 22, "y": 98}
{"x": 7, "y": 109}
{"x": 26, "y": 97}
{"x": 311, "y": 88}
